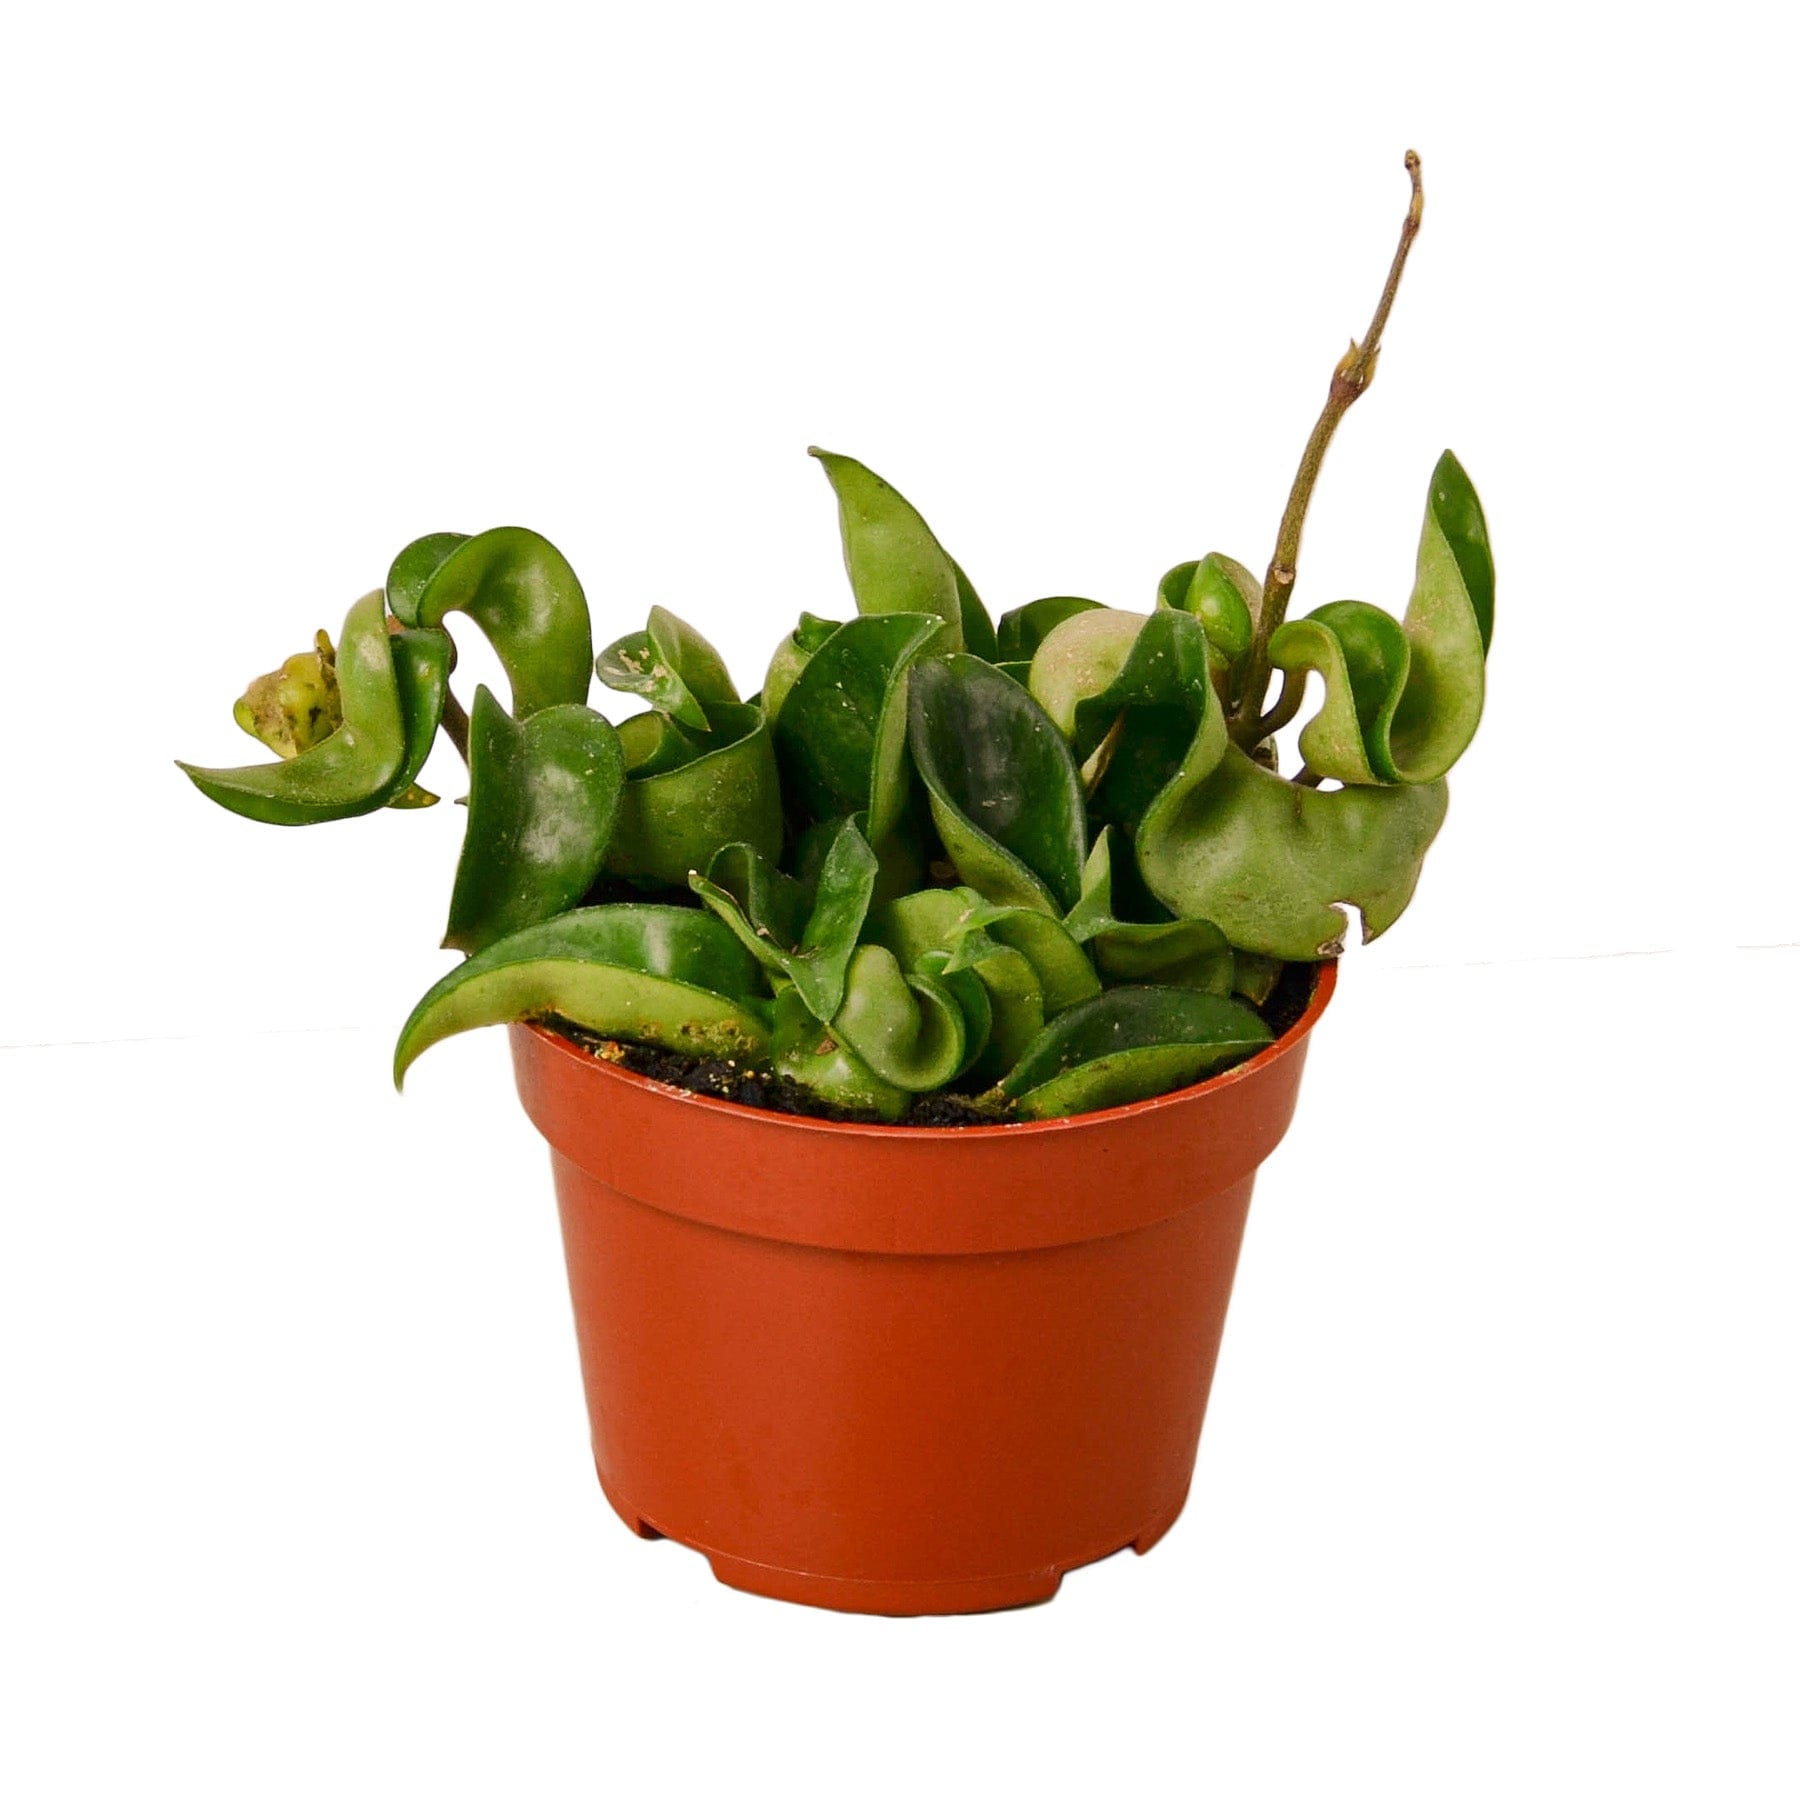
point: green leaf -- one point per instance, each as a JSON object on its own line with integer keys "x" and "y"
{"x": 1223, "y": 595}
{"x": 1402, "y": 700}
{"x": 1130, "y": 1044}
{"x": 1023, "y": 629}
{"x": 1082, "y": 657}
{"x": 1004, "y": 790}
{"x": 520, "y": 590}
{"x": 672, "y": 819}
{"x": 792, "y": 655}
{"x": 672, "y": 666}
{"x": 808, "y": 1052}
{"x": 894, "y": 562}
{"x": 358, "y": 768}
{"x": 768, "y": 912}
{"x": 666, "y": 975}
{"x": 1149, "y": 709}
{"x": 934, "y": 931}
{"x": 1269, "y": 862}
{"x": 422, "y": 677}
{"x": 542, "y": 799}
{"x": 1178, "y": 953}
{"x": 841, "y": 733}
{"x": 1064, "y": 974}
{"x": 909, "y": 1029}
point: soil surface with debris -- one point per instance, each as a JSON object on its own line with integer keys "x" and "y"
{"x": 724, "y": 1080}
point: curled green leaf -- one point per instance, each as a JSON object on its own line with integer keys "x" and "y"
{"x": 792, "y": 655}
{"x": 893, "y": 561}
{"x": 670, "y": 665}
{"x": 909, "y": 1029}
{"x": 1065, "y": 976}
{"x": 810, "y": 945}
{"x": 810, "y": 1053}
{"x": 1022, "y": 630}
{"x": 1223, "y": 595}
{"x": 1129, "y": 1044}
{"x": 518, "y": 587}
{"x": 360, "y": 766}
{"x": 1269, "y": 862}
{"x": 1403, "y": 699}
{"x": 543, "y": 795}
{"x": 1174, "y": 953}
{"x": 1004, "y": 789}
{"x": 676, "y": 813}
{"x": 841, "y": 732}
{"x": 666, "y": 975}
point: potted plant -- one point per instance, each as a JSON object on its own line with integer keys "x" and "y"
{"x": 907, "y": 1035}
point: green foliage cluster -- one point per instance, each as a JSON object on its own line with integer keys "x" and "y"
{"x": 1031, "y": 859}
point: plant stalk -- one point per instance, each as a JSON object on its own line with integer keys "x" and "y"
{"x": 1349, "y": 381}
{"x": 456, "y": 725}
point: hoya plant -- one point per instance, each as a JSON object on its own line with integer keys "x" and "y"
{"x": 938, "y": 868}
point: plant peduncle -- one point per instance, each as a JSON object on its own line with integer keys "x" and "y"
{"x": 1349, "y": 381}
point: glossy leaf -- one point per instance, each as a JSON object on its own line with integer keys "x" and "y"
{"x": 792, "y": 655}
{"x": 769, "y": 913}
{"x": 894, "y": 562}
{"x": 670, "y": 665}
{"x": 810, "y": 1053}
{"x": 1402, "y": 700}
{"x": 841, "y": 732}
{"x": 666, "y": 975}
{"x": 520, "y": 590}
{"x": 1022, "y": 630}
{"x": 1269, "y": 863}
{"x": 1064, "y": 973}
{"x": 908, "y": 1029}
{"x": 1177, "y": 953}
{"x": 543, "y": 795}
{"x": 1223, "y": 595}
{"x": 1004, "y": 790}
{"x": 1082, "y": 657}
{"x": 358, "y": 767}
{"x": 1130, "y": 1044}
{"x": 672, "y": 821}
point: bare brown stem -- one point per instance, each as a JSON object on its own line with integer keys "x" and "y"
{"x": 1349, "y": 382}
{"x": 456, "y": 725}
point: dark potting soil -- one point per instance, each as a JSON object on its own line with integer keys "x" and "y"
{"x": 722, "y": 1079}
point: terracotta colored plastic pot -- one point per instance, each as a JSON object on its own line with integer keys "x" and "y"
{"x": 893, "y": 1370}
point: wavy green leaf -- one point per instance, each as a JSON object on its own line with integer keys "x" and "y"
{"x": 1130, "y": 1044}
{"x": 670, "y": 665}
{"x": 1004, "y": 790}
{"x": 792, "y": 655}
{"x": 1177, "y": 953}
{"x": 358, "y": 768}
{"x": 1065, "y": 975}
{"x": 1269, "y": 863}
{"x": 769, "y": 912}
{"x": 939, "y": 924}
{"x": 1023, "y": 629}
{"x": 910, "y": 1030}
{"x": 1403, "y": 699}
{"x": 841, "y": 733}
{"x": 894, "y": 562}
{"x": 673, "y": 818}
{"x": 1223, "y": 595}
{"x": 666, "y": 975}
{"x": 809, "y": 1052}
{"x": 518, "y": 587}
{"x": 543, "y": 795}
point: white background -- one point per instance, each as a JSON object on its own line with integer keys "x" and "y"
{"x": 1498, "y": 1489}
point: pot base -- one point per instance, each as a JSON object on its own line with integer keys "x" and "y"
{"x": 895, "y": 1599}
